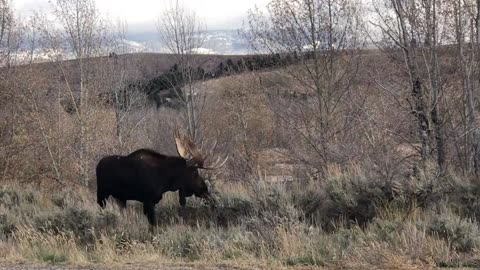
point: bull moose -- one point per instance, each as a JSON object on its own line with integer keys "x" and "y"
{"x": 145, "y": 175}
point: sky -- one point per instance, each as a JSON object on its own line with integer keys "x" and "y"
{"x": 142, "y": 14}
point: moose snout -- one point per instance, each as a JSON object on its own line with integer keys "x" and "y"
{"x": 211, "y": 200}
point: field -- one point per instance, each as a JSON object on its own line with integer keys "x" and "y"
{"x": 369, "y": 208}
{"x": 347, "y": 221}
{"x": 339, "y": 157}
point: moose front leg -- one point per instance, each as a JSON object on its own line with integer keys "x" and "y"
{"x": 122, "y": 204}
{"x": 149, "y": 211}
{"x": 182, "y": 197}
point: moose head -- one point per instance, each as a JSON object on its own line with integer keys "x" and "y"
{"x": 195, "y": 160}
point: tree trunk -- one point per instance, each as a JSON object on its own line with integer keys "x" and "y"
{"x": 436, "y": 86}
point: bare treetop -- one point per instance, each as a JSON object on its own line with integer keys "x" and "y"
{"x": 84, "y": 28}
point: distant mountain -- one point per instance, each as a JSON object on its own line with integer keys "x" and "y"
{"x": 224, "y": 42}
{"x": 130, "y": 46}
{"x": 218, "y": 42}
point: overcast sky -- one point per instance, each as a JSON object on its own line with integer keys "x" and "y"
{"x": 141, "y": 14}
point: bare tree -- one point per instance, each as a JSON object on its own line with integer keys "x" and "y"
{"x": 32, "y": 37}
{"x": 36, "y": 106}
{"x": 415, "y": 29}
{"x": 466, "y": 27}
{"x": 322, "y": 39}
{"x": 115, "y": 75}
{"x": 9, "y": 37}
{"x": 82, "y": 35}
{"x": 6, "y": 17}
{"x": 182, "y": 33}
{"x": 7, "y": 26}
{"x": 10, "y": 33}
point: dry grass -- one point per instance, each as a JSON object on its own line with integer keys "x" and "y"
{"x": 255, "y": 224}
{"x": 363, "y": 210}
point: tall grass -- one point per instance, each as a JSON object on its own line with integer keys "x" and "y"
{"x": 346, "y": 219}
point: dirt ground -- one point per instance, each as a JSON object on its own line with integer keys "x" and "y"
{"x": 126, "y": 267}
{"x": 181, "y": 267}
{"x": 44, "y": 267}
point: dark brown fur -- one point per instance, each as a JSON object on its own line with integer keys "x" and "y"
{"x": 145, "y": 176}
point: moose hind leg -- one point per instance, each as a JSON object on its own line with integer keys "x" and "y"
{"x": 149, "y": 211}
{"x": 102, "y": 199}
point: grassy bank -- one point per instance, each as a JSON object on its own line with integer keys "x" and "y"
{"x": 348, "y": 219}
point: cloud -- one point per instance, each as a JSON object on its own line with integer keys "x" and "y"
{"x": 142, "y": 14}
{"x": 203, "y": 51}
{"x": 26, "y": 8}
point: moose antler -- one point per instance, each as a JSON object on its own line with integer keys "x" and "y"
{"x": 187, "y": 149}
{"x": 181, "y": 150}
{"x": 194, "y": 152}
{"x": 219, "y": 161}
{"x": 217, "y": 164}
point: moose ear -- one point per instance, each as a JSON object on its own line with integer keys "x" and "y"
{"x": 181, "y": 150}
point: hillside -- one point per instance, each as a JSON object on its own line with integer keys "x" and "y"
{"x": 295, "y": 192}
{"x": 146, "y": 65}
